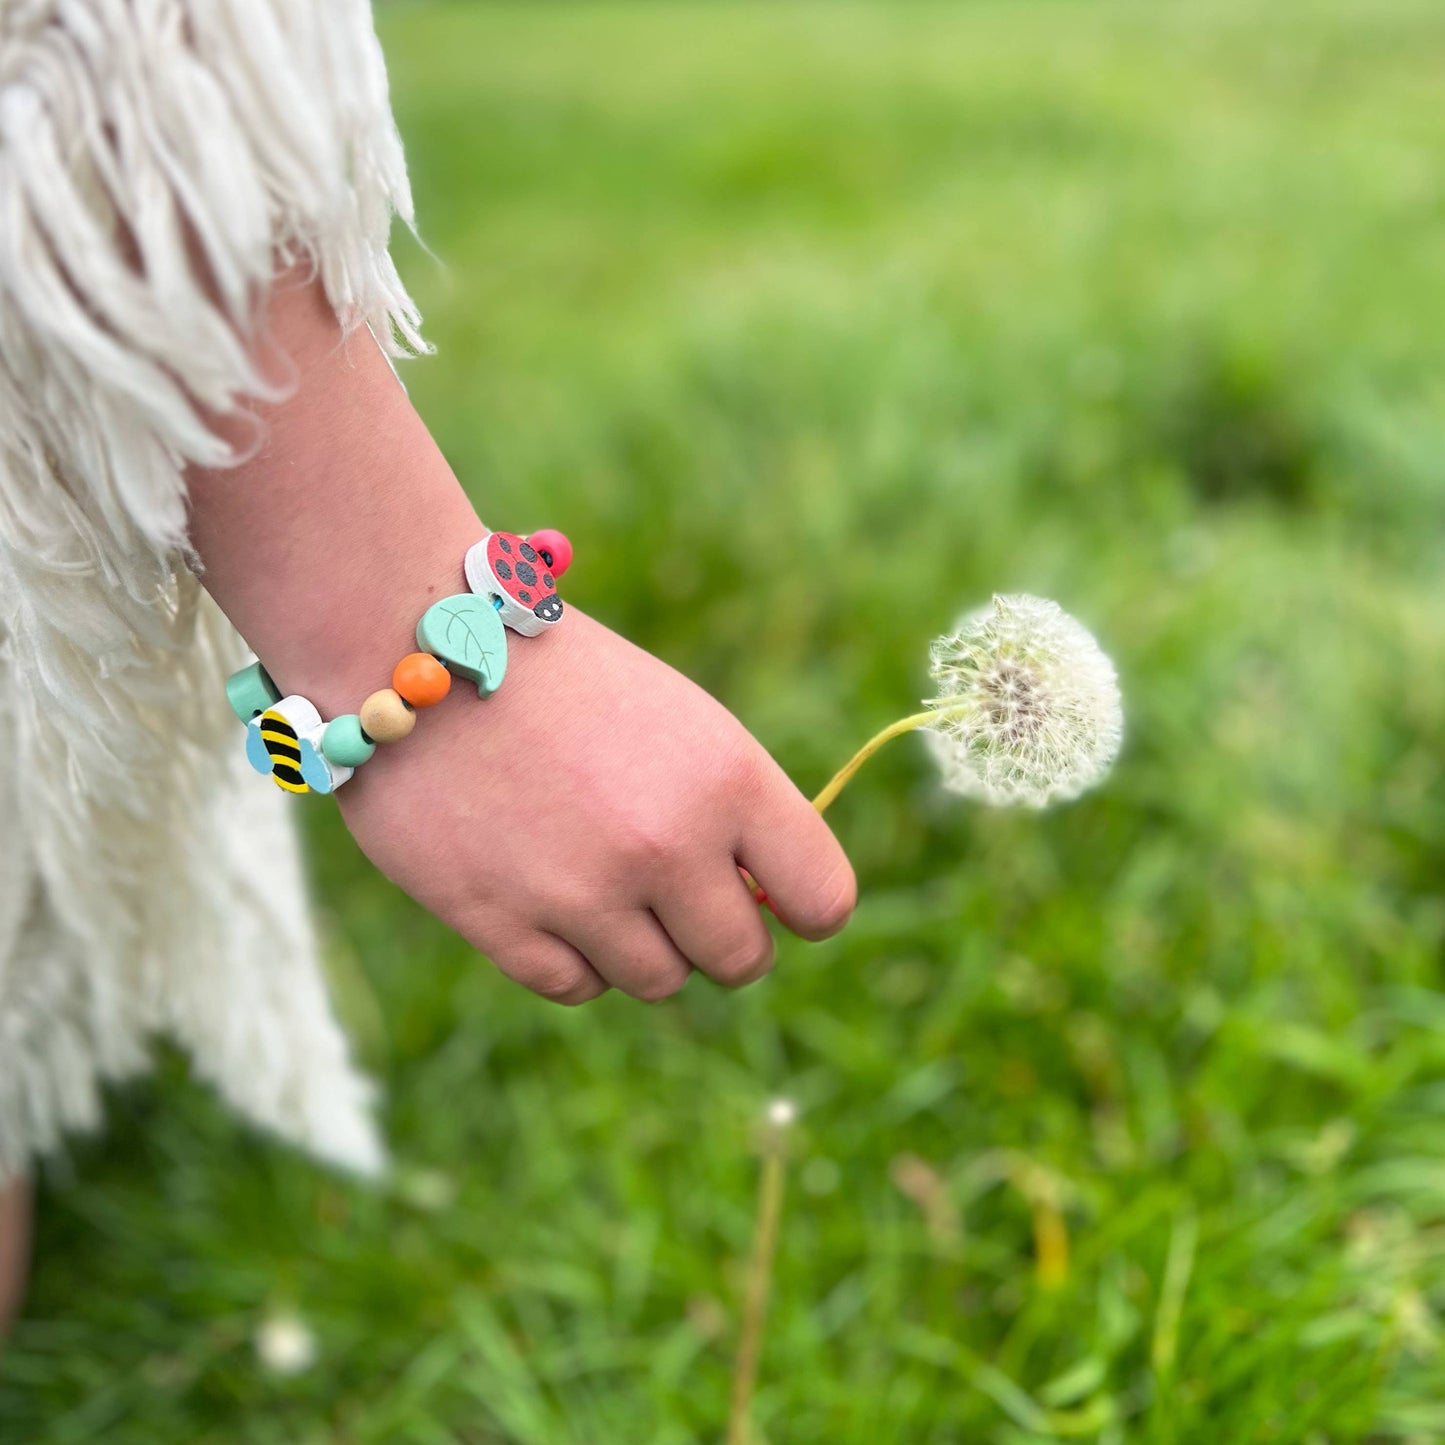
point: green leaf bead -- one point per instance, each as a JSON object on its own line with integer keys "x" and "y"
{"x": 344, "y": 743}
{"x": 465, "y": 633}
{"x": 251, "y": 691}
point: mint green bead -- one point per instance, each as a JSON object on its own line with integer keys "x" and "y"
{"x": 465, "y": 633}
{"x": 251, "y": 691}
{"x": 344, "y": 743}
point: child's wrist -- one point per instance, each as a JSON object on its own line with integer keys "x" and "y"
{"x": 328, "y": 542}
{"x": 463, "y": 631}
{"x": 343, "y": 645}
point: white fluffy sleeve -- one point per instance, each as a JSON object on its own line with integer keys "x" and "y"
{"x": 157, "y": 159}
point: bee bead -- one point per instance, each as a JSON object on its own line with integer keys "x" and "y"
{"x": 421, "y": 679}
{"x": 284, "y": 741}
{"x": 345, "y": 744}
{"x": 385, "y": 717}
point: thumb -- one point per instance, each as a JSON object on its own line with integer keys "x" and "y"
{"x": 794, "y": 857}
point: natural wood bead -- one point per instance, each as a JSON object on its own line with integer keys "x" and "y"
{"x": 421, "y": 679}
{"x": 385, "y": 717}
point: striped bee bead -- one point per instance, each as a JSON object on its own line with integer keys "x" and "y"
{"x": 284, "y": 741}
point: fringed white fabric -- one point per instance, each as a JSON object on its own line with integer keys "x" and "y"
{"x": 157, "y": 157}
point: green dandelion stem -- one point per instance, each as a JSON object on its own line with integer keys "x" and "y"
{"x": 760, "y": 1276}
{"x": 844, "y": 775}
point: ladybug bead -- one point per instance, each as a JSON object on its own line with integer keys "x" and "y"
{"x": 511, "y": 572}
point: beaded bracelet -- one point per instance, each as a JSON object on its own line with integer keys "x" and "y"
{"x": 513, "y": 582}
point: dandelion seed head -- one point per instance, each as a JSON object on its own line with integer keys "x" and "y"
{"x": 1032, "y": 709}
{"x": 285, "y": 1345}
{"x": 781, "y": 1113}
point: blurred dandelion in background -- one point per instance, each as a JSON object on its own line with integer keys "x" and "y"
{"x": 1028, "y": 709}
{"x": 779, "y": 1117}
{"x": 781, "y": 1113}
{"x": 285, "y": 1344}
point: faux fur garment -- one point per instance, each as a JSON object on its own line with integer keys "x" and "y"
{"x": 148, "y": 881}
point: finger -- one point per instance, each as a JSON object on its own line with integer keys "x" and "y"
{"x": 718, "y": 927}
{"x": 551, "y": 967}
{"x": 632, "y": 951}
{"x": 792, "y": 854}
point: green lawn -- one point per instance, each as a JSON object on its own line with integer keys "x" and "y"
{"x": 813, "y": 324}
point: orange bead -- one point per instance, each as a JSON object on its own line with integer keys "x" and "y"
{"x": 421, "y": 679}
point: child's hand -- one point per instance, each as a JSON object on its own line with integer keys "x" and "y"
{"x": 584, "y": 826}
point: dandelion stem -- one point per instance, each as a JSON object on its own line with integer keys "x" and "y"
{"x": 844, "y": 775}
{"x": 760, "y": 1275}
{"x": 1178, "y": 1265}
{"x": 940, "y": 707}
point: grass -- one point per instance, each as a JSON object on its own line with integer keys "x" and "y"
{"x": 812, "y": 324}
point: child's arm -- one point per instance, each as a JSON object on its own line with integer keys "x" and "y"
{"x": 584, "y": 826}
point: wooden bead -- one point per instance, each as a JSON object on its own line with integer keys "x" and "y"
{"x": 345, "y": 744}
{"x": 466, "y": 633}
{"x": 555, "y": 549}
{"x": 421, "y": 679}
{"x": 251, "y": 691}
{"x": 385, "y": 717}
{"x": 508, "y": 571}
{"x": 285, "y": 740}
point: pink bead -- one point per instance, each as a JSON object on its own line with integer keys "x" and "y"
{"x": 556, "y": 550}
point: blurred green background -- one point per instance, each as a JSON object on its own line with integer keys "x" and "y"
{"x": 813, "y": 324}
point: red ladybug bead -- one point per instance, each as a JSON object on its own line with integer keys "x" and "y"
{"x": 556, "y": 550}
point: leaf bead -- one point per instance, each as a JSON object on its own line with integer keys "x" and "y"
{"x": 467, "y": 635}
{"x": 385, "y": 717}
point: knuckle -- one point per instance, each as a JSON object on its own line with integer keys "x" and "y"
{"x": 745, "y": 963}
{"x": 661, "y": 984}
{"x": 560, "y": 984}
{"x": 648, "y": 845}
{"x": 742, "y": 776}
